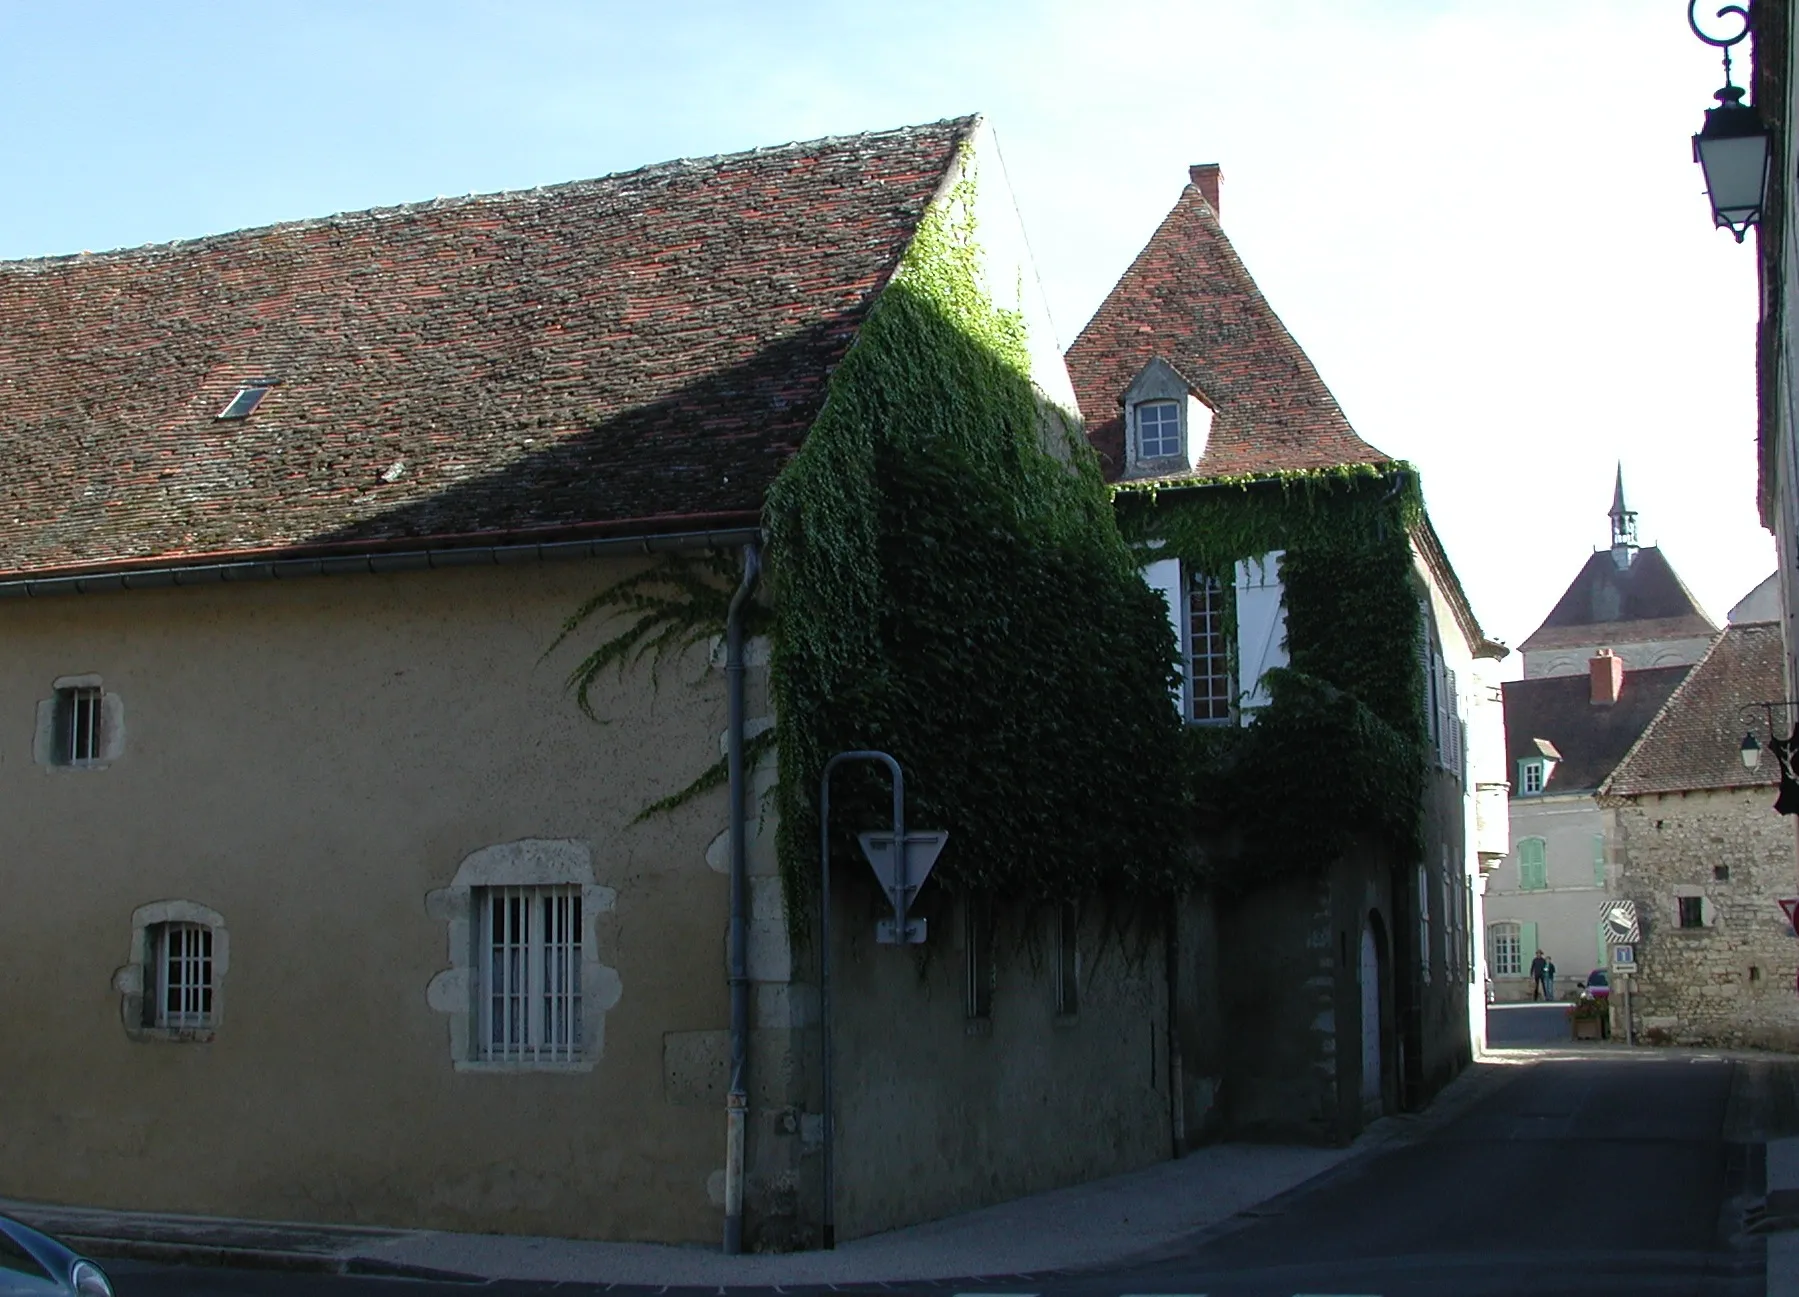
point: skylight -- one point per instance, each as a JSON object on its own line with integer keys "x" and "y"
{"x": 246, "y": 400}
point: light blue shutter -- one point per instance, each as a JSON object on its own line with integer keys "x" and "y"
{"x": 1261, "y": 628}
{"x": 1164, "y": 577}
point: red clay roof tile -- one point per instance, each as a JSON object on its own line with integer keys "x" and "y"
{"x": 630, "y": 353}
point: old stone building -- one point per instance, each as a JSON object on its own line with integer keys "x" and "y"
{"x": 1619, "y": 640}
{"x": 1706, "y": 858}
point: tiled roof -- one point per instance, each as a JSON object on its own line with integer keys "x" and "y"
{"x": 1591, "y": 739}
{"x": 1609, "y": 604}
{"x": 642, "y": 352}
{"x": 1188, "y": 299}
{"x": 1696, "y": 741}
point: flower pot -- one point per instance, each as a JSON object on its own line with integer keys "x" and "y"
{"x": 1588, "y": 1029}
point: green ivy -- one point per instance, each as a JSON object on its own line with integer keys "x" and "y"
{"x": 1338, "y": 755}
{"x": 949, "y": 586}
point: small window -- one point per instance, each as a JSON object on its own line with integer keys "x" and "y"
{"x": 1211, "y": 682}
{"x": 1533, "y": 864}
{"x": 1692, "y": 911}
{"x": 979, "y": 958}
{"x": 530, "y": 974}
{"x": 1508, "y": 950}
{"x": 1158, "y": 429}
{"x": 245, "y": 402}
{"x": 1531, "y": 776}
{"x": 183, "y": 976}
{"x": 78, "y": 713}
{"x": 1067, "y": 960}
{"x": 1720, "y": 873}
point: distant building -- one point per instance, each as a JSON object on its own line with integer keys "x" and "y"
{"x": 1627, "y": 599}
{"x": 1612, "y": 651}
{"x": 1706, "y": 858}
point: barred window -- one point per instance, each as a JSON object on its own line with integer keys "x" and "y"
{"x": 184, "y": 985}
{"x": 1508, "y": 950}
{"x": 531, "y": 974}
{"x": 78, "y": 725}
{"x": 1209, "y": 675}
{"x": 1158, "y": 429}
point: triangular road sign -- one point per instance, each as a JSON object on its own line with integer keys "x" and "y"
{"x": 922, "y": 850}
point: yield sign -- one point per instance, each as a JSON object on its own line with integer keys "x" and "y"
{"x": 922, "y": 850}
{"x": 1790, "y": 907}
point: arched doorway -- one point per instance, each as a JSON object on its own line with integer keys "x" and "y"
{"x": 1373, "y": 1057}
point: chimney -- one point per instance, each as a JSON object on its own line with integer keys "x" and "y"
{"x": 1607, "y": 670}
{"x": 1204, "y": 176}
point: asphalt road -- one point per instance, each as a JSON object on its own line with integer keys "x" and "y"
{"x": 1576, "y": 1176}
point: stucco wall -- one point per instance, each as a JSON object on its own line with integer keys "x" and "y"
{"x": 1574, "y": 660}
{"x": 311, "y": 760}
{"x": 1567, "y": 911}
{"x": 937, "y": 1113}
{"x": 1732, "y": 981}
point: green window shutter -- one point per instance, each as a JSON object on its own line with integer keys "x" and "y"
{"x": 1527, "y": 946}
{"x": 1533, "y": 865}
{"x": 1599, "y": 860}
{"x": 1599, "y": 938}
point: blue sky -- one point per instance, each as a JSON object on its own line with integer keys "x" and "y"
{"x": 1481, "y": 220}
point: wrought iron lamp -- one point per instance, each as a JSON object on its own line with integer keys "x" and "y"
{"x": 1751, "y": 752}
{"x": 1733, "y": 146}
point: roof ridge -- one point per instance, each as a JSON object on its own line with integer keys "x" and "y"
{"x": 391, "y": 211}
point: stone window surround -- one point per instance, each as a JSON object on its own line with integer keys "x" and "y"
{"x": 1156, "y": 382}
{"x": 526, "y": 862}
{"x": 112, "y": 726}
{"x": 129, "y": 980}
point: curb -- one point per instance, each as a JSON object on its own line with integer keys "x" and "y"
{"x": 224, "y": 1256}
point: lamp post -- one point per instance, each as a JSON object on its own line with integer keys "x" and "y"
{"x": 1733, "y": 146}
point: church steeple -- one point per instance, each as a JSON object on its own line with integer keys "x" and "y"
{"x": 1624, "y": 525}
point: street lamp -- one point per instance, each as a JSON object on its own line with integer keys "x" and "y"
{"x": 1751, "y": 752}
{"x": 1732, "y": 147}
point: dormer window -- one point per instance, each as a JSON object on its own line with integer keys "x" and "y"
{"x": 1167, "y": 422}
{"x": 1532, "y": 775}
{"x": 1158, "y": 430}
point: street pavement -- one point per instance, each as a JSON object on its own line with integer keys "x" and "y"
{"x": 1559, "y": 1171}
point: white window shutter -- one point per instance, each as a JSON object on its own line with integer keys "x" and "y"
{"x": 1164, "y": 577}
{"x": 1261, "y": 628}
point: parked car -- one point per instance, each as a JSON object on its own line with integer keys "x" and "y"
{"x": 1599, "y": 984}
{"x": 32, "y": 1264}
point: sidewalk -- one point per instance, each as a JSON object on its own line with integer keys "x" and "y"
{"x": 1081, "y": 1226}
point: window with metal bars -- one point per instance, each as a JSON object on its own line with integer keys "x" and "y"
{"x": 184, "y": 987}
{"x": 530, "y": 974}
{"x": 1210, "y": 683}
{"x": 78, "y": 725}
{"x": 1068, "y": 991}
{"x": 978, "y": 958}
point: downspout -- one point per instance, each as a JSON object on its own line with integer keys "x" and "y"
{"x": 737, "y": 1102}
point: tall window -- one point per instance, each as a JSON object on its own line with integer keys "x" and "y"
{"x": 1209, "y": 676}
{"x": 1424, "y": 952}
{"x": 531, "y": 974}
{"x": 978, "y": 968}
{"x": 1158, "y": 429}
{"x": 1533, "y": 864}
{"x": 183, "y": 964}
{"x": 1530, "y": 776}
{"x": 1067, "y": 960}
{"x": 1508, "y": 950}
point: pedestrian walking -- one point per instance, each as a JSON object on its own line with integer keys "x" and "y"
{"x": 1537, "y": 966}
{"x": 1548, "y": 979}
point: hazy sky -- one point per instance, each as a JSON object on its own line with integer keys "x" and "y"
{"x": 1480, "y": 219}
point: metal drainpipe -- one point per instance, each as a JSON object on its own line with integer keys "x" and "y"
{"x": 737, "y": 1102}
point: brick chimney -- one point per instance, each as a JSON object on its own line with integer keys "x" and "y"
{"x": 1607, "y": 670}
{"x": 1204, "y": 176}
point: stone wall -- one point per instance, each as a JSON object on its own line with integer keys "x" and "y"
{"x": 1730, "y": 980}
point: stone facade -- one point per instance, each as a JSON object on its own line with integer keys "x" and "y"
{"x": 1730, "y": 980}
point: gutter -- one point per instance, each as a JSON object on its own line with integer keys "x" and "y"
{"x": 737, "y": 1101}
{"x": 428, "y": 558}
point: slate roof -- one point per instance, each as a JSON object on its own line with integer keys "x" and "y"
{"x": 637, "y": 353}
{"x": 1591, "y": 739}
{"x": 1188, "y": 299}
{"x": 1695, "y": 741}
{"x": 1632, "y": 605}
